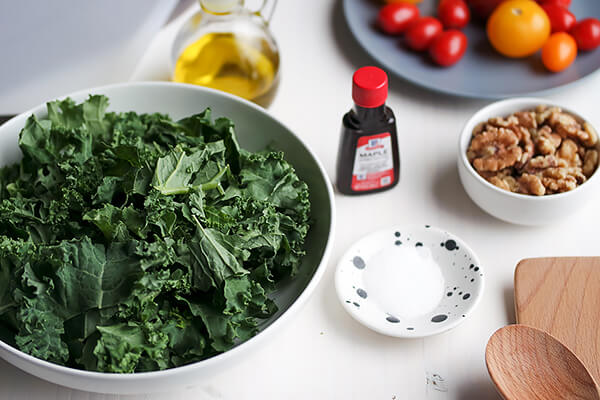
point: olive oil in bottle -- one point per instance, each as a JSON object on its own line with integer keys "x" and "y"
{"x": 228, "y": 47}
{"x": 241, "y": 65}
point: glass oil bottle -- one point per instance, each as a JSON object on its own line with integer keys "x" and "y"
{"x": 230, "y": 48}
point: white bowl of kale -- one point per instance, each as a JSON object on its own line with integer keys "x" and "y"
{"x": 142, "y": 248}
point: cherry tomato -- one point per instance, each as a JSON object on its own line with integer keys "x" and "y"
{"x": 422, "y": 32}
{"x": 454, "y": 14}
{"x": 587, "y": 34}
{"x": 559, "y": 51}
{"x": 396, "y": 18}
{"x": 561, "y": 19}
{"x": 448, "y": 47}
{"x": 518, "y": 28}
{"x": 483, "y": 8}
{"x": 564, "y": 3}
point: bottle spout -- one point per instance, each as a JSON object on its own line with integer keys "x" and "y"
{"x": 220, "y": 6}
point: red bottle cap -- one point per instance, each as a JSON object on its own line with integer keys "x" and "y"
{"x": 369, "y": 87}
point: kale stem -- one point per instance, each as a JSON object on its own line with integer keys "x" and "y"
{"x": 198, "y": 222}
{"x": 215, "y": 183}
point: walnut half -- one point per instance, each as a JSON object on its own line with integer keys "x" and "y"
{"x": 494, "y": 149}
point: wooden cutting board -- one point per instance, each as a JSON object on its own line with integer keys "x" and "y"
{"x": 562, "y": 297}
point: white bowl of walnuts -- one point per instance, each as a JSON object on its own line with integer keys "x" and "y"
{"x": 529, "y": 162}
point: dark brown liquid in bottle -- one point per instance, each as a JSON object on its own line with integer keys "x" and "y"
{"x": 365, "y": 123}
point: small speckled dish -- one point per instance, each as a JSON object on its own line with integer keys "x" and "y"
{"x": 409, "y": 282}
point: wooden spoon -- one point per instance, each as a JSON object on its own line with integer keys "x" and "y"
{"x": 528, "y": 364}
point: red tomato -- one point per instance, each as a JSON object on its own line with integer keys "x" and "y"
{"x": 564, "y": 3}
{"x": 559, "y": 51}
{"x": 454, "y": 14}
{"x": 422, "y": 32}
{"x": 561, "y": 19}
{"x": 483, "y": 8}
{"x": 395, "y": 18}
{"x": 587, "y": 34}
{"x": 448, "y": 47}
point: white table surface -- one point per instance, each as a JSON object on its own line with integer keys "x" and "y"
{"x": 324, "y": 353}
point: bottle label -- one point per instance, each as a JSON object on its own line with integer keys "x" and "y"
{"x": 373, "y": 162}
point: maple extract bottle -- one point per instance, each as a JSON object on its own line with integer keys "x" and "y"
{"x": 368, "y": 159}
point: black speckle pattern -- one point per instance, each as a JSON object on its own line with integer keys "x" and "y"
{"x": 348, "y": 301}
{"x": 361, "y": 293}
{"x": 397, "y": 234}
{"x": 450, "y": 245}
{"x": 427, "y": 226}
{"x": 439, "y": 318}
{"x": 466, "y": 296}
{"x": 392, "y": 319}
{"x": 397, "y": 242}
{"x": 449, "y": 294}
{"x": 359, "y": 262}
{"x": 418, "y": 244}
{"x": 476, "y": 269}
{"x": 356, "y": 304}
{"x": 410, "y": 329}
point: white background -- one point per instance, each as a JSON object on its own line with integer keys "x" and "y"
{"x": 51, "y": 48}
{"x": 323, "y": 353}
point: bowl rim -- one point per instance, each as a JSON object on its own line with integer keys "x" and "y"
{"x": 477, "y": 296}
{"x": 252, "y": 342}
{"x": 518, "y": 103}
